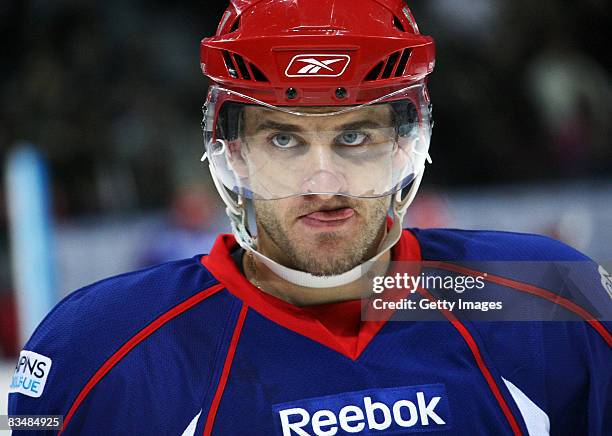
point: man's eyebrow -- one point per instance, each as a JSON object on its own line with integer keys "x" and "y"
{"x": 286, "y": 127}
{"x": 273, "y": 125}
{"x": 362, "y": 124}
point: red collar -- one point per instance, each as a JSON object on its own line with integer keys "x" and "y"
{"x": 314, "y": 322}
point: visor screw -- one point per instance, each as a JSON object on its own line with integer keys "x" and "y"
{"x": 291, "y": 93}
{"x": 341, "y": 92}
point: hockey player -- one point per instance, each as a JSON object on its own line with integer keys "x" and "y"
{"x": 318, "y": 118}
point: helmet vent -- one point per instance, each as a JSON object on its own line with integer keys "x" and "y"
{"x": 402, "y": 63}
{"x": 391, "y": 61}
{"x": 235, "y": 25}
{"x": 390, "y": 67}
{"x": 229, "y": 64}
{"x": 244, "y": 71}
{"x": 257, "y": 74}
{"x": 374, "y": 72}
{"x": 397, "y": 23}
{"x": 238, "y": 68}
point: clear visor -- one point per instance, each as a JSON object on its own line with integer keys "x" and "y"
{"x": 262, "y": 151}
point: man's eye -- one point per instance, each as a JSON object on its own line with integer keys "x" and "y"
{"x": 284, "y": 140}
{"x": 351, "y": 138}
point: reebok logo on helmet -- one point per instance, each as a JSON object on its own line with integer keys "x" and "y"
{"x": 317, "y": 65}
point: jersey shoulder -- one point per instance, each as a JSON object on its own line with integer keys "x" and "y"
{"x": 115, "y": 306}
{"x": 528, "y": 261}
{"x": 490, "y": 245}
{"x": 88, "y": 327}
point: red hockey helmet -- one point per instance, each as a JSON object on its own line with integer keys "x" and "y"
{"x": 317, "y": 52}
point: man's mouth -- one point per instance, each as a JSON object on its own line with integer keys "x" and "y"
{"x": 328, "y": 218}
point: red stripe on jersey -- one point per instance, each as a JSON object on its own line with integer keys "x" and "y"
{"x": 473, "y": 346}
{"x": 133, "y": 342}
{"x": 229, "y": 358}
{"x": 534, "y": 290}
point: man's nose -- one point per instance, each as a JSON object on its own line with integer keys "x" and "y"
{"x": 323, "y": 175}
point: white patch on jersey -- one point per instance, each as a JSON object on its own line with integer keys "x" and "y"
{"x": 190, "y": 430}
{"x": 606, "y": 280}
{"x": 536, "y": 420}
{"x": 31, "y": 374}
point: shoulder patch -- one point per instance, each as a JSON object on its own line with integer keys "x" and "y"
{"x": 30, "y": 374}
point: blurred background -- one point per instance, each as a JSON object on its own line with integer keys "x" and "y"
{"x": 104, "y": 98}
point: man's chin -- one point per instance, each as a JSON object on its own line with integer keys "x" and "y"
{"x": 327, "y": 258}
{"x": 328, "y": 269}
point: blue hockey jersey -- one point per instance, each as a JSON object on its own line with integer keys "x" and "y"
{"x": 192, "y": 348}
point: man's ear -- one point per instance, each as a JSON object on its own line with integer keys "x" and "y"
{"x": 235, "y": 158}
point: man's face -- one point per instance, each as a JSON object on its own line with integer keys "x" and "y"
{"x": 322, "y": 232}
